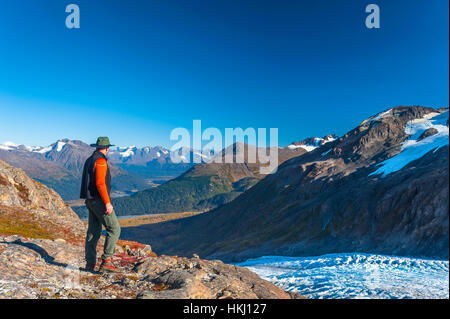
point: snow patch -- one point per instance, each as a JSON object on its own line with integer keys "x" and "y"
{"x": 43, "y": 150}
{"x": 10, "y": 144}
{"x": 60, "y": 146}
{"x": 328, "y": 139}
{"x": 127, "y": 151}
{"x": 381, "y": 115}
{"x": 413, "y": 149}
{"x": 7, "y": 146}
{"x": 308, "y": 148}
{"x": 32, "y": 148}
{"x": 317, "y": 142}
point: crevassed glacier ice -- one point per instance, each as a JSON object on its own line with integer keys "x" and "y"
{"x": 356, "y": 275}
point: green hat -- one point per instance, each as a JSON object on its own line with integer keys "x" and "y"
{"x": 102, "y": 142}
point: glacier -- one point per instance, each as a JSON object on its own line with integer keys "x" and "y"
{"x": 356, "y": 276}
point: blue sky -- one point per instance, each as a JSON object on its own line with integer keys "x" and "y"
{"x": 137, "y": 69}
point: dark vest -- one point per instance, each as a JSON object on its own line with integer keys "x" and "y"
{"x": 88, "y": 186}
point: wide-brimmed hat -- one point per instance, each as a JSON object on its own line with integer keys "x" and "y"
{"x": 102, "y": 142}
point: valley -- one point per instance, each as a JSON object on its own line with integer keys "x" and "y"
{"x": 139, "y": 220}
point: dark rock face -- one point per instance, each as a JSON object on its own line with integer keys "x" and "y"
{"x": 327, "y": 201}
{"x": 430, "y": 132}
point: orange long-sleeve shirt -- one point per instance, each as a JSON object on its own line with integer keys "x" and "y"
{"x": 100, "y": 168}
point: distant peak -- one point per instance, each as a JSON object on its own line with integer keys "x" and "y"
{"x": 311, "y": 143}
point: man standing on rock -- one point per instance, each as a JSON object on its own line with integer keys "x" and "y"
{"x": 96, "y": 188}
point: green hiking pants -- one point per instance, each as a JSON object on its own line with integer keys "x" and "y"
{"x": 97, "y": 218}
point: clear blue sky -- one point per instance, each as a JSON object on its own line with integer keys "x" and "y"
{"x": 137, "y": 69}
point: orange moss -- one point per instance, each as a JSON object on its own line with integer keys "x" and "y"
{"x": 90, "y": 279}
{"x": 17, "y": 221}
{"x": 110, "y": 287}
{"x": 4, "y": 181}
{"x": 134, "y": 278}
{"x": 160, "y": 287}
{"x": 23, "y": 228}
{"x": 131, "y": 244}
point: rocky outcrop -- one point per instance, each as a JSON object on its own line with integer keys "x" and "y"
{"x": 179, "y": 277}
{"x": 42, "y": 256}
{"x": 44, "y": 268}
{"x": 429, "y": 132}
{"x": 29, "y": 208}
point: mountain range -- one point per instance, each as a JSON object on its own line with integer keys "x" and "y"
{"x": 382, "y": 188}
{"x": 60, "y": 165}
{"x": 204, "y": 186}
{"x": 134, "y": 169}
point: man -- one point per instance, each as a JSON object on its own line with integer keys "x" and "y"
{"x": 96, "y": 188}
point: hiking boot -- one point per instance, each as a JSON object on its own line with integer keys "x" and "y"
{"x": 89, "y": 267}
{"x": 108, "y": 266}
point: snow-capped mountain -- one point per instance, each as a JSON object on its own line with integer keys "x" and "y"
{"x": 60, "y": 165}
{"x": 10, "y": 146}
{"x": 381, "y": 188}
{"x": 130, "y": 154}
{"x": 137, "y": 155}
